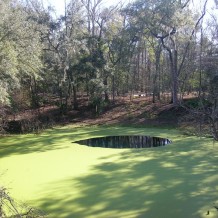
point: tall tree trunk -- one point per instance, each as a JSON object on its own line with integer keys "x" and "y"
{"x": 173, "y": 57}
{"x": 106, "y": 95}
{"x": 156, "y": 91}
{"x": 113, "y": 88}
{"x": 175, "y": 77}
{"x": 75, "y": 100}
{"x": 34, "y": 94}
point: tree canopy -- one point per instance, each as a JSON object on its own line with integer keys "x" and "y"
{"x": 153, "y": 47}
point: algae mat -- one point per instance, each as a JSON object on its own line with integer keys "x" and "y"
{"x": 65, "y": 179}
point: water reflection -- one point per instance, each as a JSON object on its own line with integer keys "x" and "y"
{"x": 125, "y": 142}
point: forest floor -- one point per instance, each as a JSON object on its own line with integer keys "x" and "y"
{"x": 137, "y": 111}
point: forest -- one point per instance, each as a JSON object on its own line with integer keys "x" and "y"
{"x": 143, "y": 71}
{"x": 157, "y": 48}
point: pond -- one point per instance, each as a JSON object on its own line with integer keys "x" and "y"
{"x": 125, "y": 142}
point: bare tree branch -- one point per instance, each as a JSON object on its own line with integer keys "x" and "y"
{"x": 185, "y": 4}
{"x": 191, "y": 36}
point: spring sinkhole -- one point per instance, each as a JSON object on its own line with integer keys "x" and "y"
{"x": 125, "y": 142}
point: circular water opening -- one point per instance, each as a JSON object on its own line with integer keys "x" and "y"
{"x": 125, "y": 142}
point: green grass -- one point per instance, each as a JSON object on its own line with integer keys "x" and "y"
{"x": 66, "y": 179}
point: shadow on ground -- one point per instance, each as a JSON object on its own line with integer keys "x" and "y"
{"x": 179, "y": 180}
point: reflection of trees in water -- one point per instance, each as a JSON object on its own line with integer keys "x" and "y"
{"x": 125, "y": 142}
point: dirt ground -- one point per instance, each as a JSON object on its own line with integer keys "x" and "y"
{"x": 137, "y": 111}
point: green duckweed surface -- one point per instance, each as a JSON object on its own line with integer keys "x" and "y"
{"x": 51, "y": 172}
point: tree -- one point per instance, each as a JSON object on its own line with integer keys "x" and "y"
{"x": 97, "y": 21}
{"x": 64, "y": 42}
{"x": 208, "y": 95}
{"x": 167, "y": 22}
{"x": 121, "y": 43}
{"x": 20, "y": 48}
